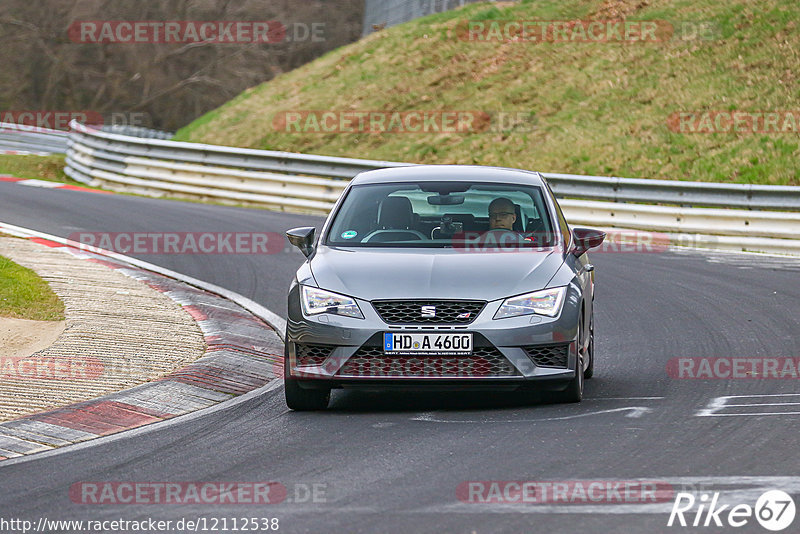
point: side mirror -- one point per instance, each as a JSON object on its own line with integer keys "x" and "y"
{"x": 586, "y": 238}
{"x": 302, "y": 238}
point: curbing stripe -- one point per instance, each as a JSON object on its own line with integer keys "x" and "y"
{"x": 46, "y": 242}
{"x": 45, "y": 184}
{"x": 241, "y": 357}
{"x": 184, "y": 419}
{"x": 84, "y": 189}
{"x": 38, "y": 438}
{"x": 21, "y": 446}
{"x": 171, "y": 398}
{"x": 46, "y": 430}
{"x": 97, "y": 417}
{"x": 25, "y": 153}
{"x": 270, "y": 317}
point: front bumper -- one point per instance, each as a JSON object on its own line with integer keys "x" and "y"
{"x": 336, "y": 351}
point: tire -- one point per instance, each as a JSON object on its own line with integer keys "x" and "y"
{"x": 300, "y": 399}
{"x": 305, "y": 400}
{"x": 574, "y": 390}
{"x": 589, "y": 373}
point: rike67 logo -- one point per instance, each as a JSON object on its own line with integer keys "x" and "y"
{"x": 774, "y": 510}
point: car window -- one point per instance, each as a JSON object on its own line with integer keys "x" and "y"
{"x": 436, "y": 214}
{"x": 562, "y": 223}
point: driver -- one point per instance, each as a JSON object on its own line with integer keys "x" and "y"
{"x": 501, "y": 214}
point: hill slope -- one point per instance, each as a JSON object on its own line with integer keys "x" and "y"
{"x": 604, "y": 108}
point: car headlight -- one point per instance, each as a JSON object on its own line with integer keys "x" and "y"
{"x": 316, "y": 301}
{"x": 545, "y": 302}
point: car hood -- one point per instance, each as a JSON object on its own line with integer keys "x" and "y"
{"x": 385, "y": 273}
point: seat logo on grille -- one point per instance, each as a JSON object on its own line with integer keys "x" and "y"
{"x": 428, "y": 311}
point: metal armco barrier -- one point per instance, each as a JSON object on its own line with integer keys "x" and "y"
{"x": 746, "y": 196}
{"x": 21, "y": 139}
{"x": 136, "y": 131}
{"x": 311, "y": 184}
{"x": 379, "y": 14}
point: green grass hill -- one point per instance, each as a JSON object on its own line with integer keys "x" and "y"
{"x": 571, "y": 105}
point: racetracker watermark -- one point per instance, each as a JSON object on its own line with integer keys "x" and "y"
{"x": 149, "y": 524}
{"x": 404, "y": 122}
{"x": 79, "y": 368}
{"x": 205, "y": 492}
{"x": 565, "y": 492}
{"x": 50, "y": 368}
{"x": 585, "y": 31}
{"x": 194, "y": 31}
{"x": 509, "y": 241}
{"x": 181, "y": 242}
{"x": 177, "y": 493}
{"x": 44, "y": 120}
{"x": 33, "y": 120}
{"x": 732, "y": 368}
{"x": 735, "y": 122}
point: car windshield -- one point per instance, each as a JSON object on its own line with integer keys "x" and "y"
{"x": 442, "y": 214}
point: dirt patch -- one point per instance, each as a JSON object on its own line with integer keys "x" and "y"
{"x": 20, "y": 338}
{"x": 618, "y": 9}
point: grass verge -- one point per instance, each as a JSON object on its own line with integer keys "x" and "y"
{"x": 600, "y": 108}
{"x": 49, "y": 168}
{"x": 23, "y": 295}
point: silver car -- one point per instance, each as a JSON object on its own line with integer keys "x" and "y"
{"x": 441, "y": 277}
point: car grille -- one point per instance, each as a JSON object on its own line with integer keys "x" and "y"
{"x": 410, "y": 311}
{"x": 548, "y": 355}
{"x": 484, "y": 362}
{"x": 312, "y": 354}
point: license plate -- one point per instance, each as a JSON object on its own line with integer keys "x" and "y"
{"x": 431, "y": 344}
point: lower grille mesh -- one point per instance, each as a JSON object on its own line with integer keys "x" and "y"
{"x": 312, "y": 354}
{"x": 548, "y": 355}
{"x": 484, "y": 362}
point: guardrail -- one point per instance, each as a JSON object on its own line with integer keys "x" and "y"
{"x": 22, "y": 139}
{"x": 747, "y": 196}
{"x": 136, "y": 131}
{"x": 311, "y": 184}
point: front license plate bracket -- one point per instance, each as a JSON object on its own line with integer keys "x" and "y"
{"x": 428, "y": 343}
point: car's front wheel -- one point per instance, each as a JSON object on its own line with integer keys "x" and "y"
{"x": 574, "y": 390}
{"x": 299, "y": 398}
{"x": 304, "y": 400}
{"x": 589, "y": 373}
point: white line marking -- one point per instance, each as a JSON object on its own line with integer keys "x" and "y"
{"x": 718, "y": 404}
{"x": 40, "y": 183}
{"x": 750, "y": 414}
{"x": 761, "y": 395}
{"x": 635, "y": 411}
{"x": 623, "y": 398}
{"x": 708, "y": 253}
{"x": 763, "y": 404}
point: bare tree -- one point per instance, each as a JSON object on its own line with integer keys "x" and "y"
{"x": 172, "y": 83}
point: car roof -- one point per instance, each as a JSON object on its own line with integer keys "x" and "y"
{"x": 448, "y": 173}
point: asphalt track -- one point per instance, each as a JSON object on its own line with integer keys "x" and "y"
{"x": 392, "y": 462}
